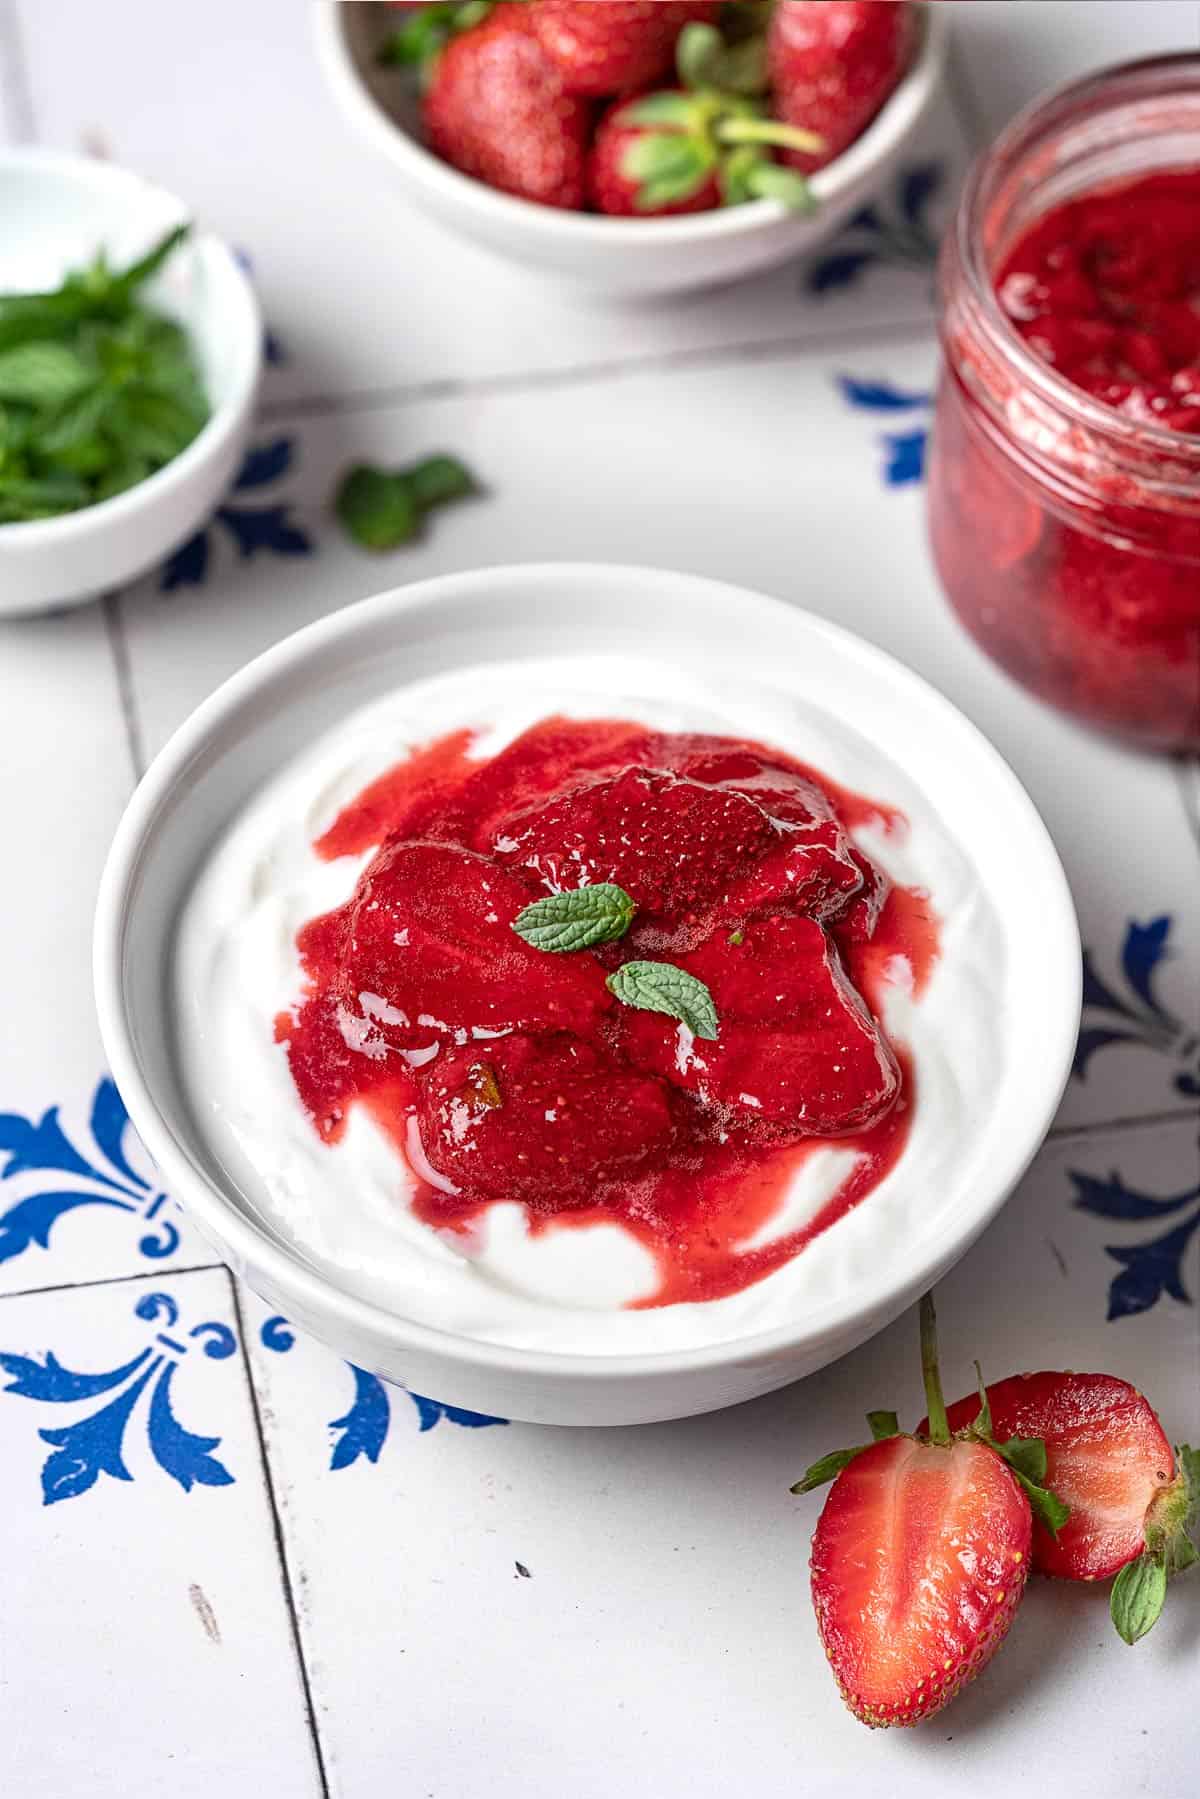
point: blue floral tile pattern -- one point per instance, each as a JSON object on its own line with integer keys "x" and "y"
{"x": 362, "y": 1431}
{"x": 893, "y": 231}
{"x": 1127, "y": 1009}
{"x": 253, "y": 530}
{"x": 92, "y": 1445}
{"x": 1151, "y": 1268}
{"x": 904, "y": 451}
{"x": 101, "y": 1176}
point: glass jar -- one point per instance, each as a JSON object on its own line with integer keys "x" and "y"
{"x": 1066, "y": 533}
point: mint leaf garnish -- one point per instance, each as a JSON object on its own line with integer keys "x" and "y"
{"x": 827, "y": 1468}
{"x": 1137, "y": 1596}
{"x": 661, "y": 987}
{"x": 577, "y": 920}
{"x": 383, "y": 508}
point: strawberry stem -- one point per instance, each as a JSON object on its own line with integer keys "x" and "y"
{"x": 768, "y": 131}
{"x": 935, "y": 1404}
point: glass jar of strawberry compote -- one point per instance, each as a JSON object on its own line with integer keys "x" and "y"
{"x": 1065, "y": 470}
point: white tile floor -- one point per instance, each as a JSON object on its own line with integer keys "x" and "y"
{"x": 182, "y": 1583}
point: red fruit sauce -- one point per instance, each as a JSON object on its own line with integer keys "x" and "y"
{"x": 502, "y": 1072}
{"x": 1068, "y": 543}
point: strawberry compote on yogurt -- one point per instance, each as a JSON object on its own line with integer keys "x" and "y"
{"x": 1065, "y": 478}
{"x": 615, "y": 975}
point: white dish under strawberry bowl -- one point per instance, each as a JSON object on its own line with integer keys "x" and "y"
{"x": 254, "y": 772}
{"x": 612, "y": 256}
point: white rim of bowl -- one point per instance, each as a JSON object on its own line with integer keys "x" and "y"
{"x": 251, "y": 1247}
{"x": 223, "y": 420}
{"x": 892, "y": 124}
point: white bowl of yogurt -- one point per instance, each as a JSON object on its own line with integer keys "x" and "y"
{"x": 214, "y": 873}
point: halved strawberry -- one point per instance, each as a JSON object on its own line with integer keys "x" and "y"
{"x": 919, "y": 1561}
{"x": 1108, "y": 1458}
{"x": 427, "y": 952}
{"x": 920, "y": 1556}
{"x": 797, "y": 1055}
{"x": 537, "y": 1119}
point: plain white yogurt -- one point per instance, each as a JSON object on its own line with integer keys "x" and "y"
{"x": 345, "y": 1205}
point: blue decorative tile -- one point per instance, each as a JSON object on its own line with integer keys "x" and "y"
{"x": 904, "y": 451}
{"x": 269, "y": 530}
{"x": 895, "y": 230}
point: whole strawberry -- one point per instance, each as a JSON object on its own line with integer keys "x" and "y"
{"x": 832, "y": 64}
{"x": 613, "y": 46}
{"x": 921, "y": 1554}
{"x": 1108, "y": 1458}
{"x": 496, "y": 108}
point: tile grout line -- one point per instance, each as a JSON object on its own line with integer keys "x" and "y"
{"x": 112, "y": 1280}
{"x": 285, "y": 1573}
{"x": 118, "y": 645}
{"x": 1068, "y": 1133}
{"x": 17, "y": 119}
{"x": 590, "y": 374}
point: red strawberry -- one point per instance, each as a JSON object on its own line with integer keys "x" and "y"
{"x": 496, "y": 108}
{"x": 919, "y": 1559}
{"x": 612, "y": 46}
{"x": 537, "y": 1118}
{"x": 1108, "y": 1459}
{"x": 630, "y": 172}
{"x": 832, "y": 64}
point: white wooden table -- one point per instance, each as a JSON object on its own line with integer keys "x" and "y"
{"x": 230, "y": 1564}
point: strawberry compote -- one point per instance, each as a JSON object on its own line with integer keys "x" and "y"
{"x": 1065, "y": 476}
{"x": 505, "y": 1072}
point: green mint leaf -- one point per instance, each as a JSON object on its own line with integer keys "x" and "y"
{"x": 1137, "y": 1597}
{"x": 661, "y": 987}
{"x": 30, "y": 497}
{"x": 43, "y": 374}
{"x": 376, "y": 509}
{"x": 564, "y": 922}
{"x": 1045, "y": 1505}
{"x": 883, "y": 1425}
{"x": 828, "y": 1468}
{"x": 146, "y": 267}
{"x": 436, "y": 480}
{"x": 76, "y": 423}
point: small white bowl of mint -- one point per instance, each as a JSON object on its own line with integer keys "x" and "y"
{"x": 130, "y": 353}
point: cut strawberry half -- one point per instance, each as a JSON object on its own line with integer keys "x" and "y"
{"x": 921, "y": 1554}
{"x": 1108, "y": 1458}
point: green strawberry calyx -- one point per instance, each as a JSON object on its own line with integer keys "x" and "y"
{"x": 711, "y": 127}
{"x": 1025, "y": 1457}
{"x": 1171, "y": 1530}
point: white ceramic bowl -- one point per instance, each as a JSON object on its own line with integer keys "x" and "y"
{"x": 611, "y": 255}
{"x": 56, "y": 211}
{"x": 303, "y": 687}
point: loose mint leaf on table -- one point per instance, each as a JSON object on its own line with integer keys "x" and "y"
{"x": 382, "y": 508}
{"x": 577, "y": 920}
{"x": 661, "y": 987}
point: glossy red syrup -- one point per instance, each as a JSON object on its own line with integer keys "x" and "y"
{"x": 1106, "y": 288}
{"x": 505, "y": 1073}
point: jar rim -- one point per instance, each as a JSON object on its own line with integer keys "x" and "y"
{"x": 1036, "y": 121}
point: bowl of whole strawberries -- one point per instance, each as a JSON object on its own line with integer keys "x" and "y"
{"x": 646, "y": 147}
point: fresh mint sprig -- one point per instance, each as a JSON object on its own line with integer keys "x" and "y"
{"x": 384, "y": 508}
{"x": 97, "y": 390}
{"x": 580, "y": 919}
{"x": 662, "y": 987}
